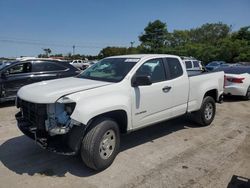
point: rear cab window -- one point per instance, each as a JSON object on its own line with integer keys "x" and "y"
{"x": 174, "y": 67}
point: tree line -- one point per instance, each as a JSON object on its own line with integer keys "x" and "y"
{"x": 209, "y": 42}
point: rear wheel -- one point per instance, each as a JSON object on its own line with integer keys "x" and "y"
{"x": 247, "y": 97}
{"x": 206, "y": 114}
{"x": 101, "y": 144}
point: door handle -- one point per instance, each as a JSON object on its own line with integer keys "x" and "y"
{"x": 166, "y": 89}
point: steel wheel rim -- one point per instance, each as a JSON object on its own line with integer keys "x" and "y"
{"x": 209, "y": 110}
{"x": 107, "y": 144}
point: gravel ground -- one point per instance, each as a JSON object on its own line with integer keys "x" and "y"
{"x": 175, "y": 153}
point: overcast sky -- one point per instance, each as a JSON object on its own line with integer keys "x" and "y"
{"x": 28, "y": 26}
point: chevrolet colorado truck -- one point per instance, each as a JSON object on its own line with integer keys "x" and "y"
{"x": 86, "y": 114}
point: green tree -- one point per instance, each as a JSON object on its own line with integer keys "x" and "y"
{"x": 211, "y": 41}
{"x": 242, "y": 34}
{"x": 111, "y": 51}
{"x": 47, "y": 51}
{"x": 154, "y": 36}
{"x": 210, "y": 33}
{"x": 179, "y": 37}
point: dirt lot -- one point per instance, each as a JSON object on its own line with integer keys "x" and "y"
{"x": 171, "y": 154}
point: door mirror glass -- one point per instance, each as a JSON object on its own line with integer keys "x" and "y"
{"x": 141, "y": 80}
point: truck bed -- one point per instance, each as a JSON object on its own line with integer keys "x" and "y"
{"x": 199, "y": 82}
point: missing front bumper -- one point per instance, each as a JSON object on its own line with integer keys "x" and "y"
{"x": 66, "y": 144}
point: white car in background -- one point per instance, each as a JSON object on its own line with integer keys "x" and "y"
{"x": 192, "y": 63}
{"x": 80, "y": 64}
{"x": 237, "y": 81}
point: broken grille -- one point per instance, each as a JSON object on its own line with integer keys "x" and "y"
{"x": 34, "y": 113}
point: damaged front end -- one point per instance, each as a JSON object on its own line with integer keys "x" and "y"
{"x": 50, "y": 125}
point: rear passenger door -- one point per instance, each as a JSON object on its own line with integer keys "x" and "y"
{"x": 180, "y": 86}
{"x": 152, "y": 103}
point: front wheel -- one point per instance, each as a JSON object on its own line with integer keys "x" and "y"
{"x": 206, "y": 114}
{"x": 101, "y": 144}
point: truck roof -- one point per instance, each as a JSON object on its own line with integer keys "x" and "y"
{"x": 142, "y": 56}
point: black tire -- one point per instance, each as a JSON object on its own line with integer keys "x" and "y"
{"x": 92, "y": 154}
{"x": 247, "y": 97}
{"x": 206, "y": 114}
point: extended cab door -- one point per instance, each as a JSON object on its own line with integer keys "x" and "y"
{"x": 180, "y": 85}
{"x": 15, "y": 77}
{"x": 152, "y": 103}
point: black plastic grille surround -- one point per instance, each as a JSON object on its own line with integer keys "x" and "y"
{"x": 35, "y": 114}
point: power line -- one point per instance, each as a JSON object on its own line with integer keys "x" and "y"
{"x": 41, "y": 43}
{"x": 46, "y": 44}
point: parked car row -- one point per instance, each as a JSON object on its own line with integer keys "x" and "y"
{"x": 14, "y": 75}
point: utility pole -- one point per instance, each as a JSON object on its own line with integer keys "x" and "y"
{"x": 132, "y": 43}
{"x": 74, "y": 49}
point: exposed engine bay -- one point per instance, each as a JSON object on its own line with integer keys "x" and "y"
{"x": 58, "y": 118}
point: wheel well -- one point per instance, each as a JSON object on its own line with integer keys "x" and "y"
{"x": 120, "y": 116}
{"x": 212, "y": 93}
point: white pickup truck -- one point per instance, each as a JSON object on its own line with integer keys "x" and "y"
{"x": 86, "y": 114}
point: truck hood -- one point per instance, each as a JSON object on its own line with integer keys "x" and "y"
{"x": 52, "y": 90}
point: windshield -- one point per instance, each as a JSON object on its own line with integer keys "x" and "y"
{"x": 110, "y": 69}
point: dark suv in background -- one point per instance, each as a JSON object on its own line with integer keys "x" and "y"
{"x": 14, "y": 75}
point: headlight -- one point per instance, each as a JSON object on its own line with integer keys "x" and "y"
{"x": 69, "y": 108}
{"x": 69, "y": 104}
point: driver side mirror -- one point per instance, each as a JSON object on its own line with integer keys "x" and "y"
{"x": 141, "y": 80}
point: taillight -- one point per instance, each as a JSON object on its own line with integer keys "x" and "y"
{"x": 235, "y": 80}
